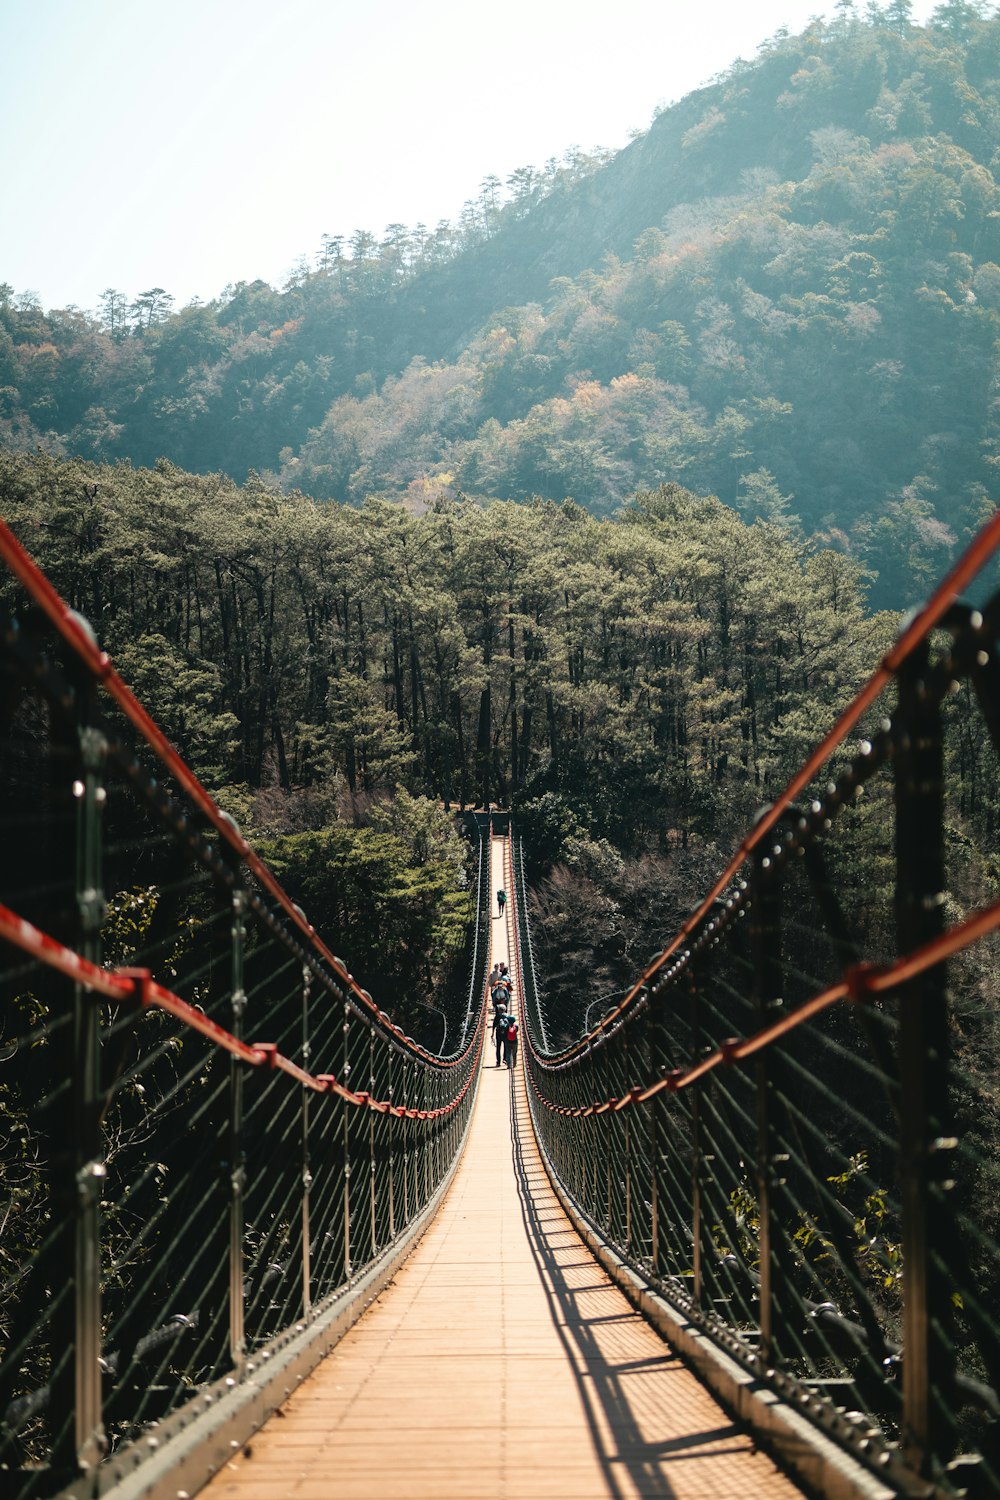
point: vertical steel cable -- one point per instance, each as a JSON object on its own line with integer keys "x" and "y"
{"x": 305, "y": 1159}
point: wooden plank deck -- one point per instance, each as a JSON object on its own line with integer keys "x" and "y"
{"x": 501, "y": 1363}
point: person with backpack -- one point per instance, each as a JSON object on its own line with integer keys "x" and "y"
{"x": 501, "y": 901}
{"x": 510, "y": 1042}
{"x": 500, "y": 1032}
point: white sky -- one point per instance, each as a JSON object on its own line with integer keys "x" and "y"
{"x": 199, "y": 142}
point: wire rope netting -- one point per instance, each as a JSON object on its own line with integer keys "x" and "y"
{"x": 789, "y": 1124}
{"x": 209, "y": 1130}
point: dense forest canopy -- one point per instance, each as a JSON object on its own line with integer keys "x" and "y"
{"x": 340, "y": 677}
{"x": 786, "y": 293}
{"x": 668, "y": 663}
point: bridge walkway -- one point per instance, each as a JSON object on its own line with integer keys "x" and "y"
{"x": 502, "y": 1362}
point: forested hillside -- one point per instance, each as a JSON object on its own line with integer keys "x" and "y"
{"x": 655, "y": 674}
{"x": 633, "y": 687}
{"x": 786, "y": 293}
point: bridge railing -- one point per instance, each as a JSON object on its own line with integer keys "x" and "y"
{"x": 532, "y": 989}
{"x": 790, "y": 1123}
{"x": 208, "y": 1129}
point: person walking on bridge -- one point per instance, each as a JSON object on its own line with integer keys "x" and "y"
{"x": 510, "y": 1042}
{"x": 500, "y": 1020}
{"x": 501, "y": 901}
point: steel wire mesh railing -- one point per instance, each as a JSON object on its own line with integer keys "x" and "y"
{"x": 208, "y": 1130}
{"x": 789, "y": 1124}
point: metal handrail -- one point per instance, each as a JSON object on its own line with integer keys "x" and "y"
{"x": 736, "y": 1126}
{"x": 148, "y": 1272}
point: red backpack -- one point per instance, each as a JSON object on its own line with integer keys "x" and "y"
{"x": 512, "y": 1031}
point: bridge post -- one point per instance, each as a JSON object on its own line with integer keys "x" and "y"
{"x": 427, "y": 1134}
{"x": 571, "y": 1147}
{"x": 444, "y": 1131}
{"x": 697, "y": 1148}
{"x": 628, "y": 1147}
{"x": 601, "y": 1199}
{"x": 432, "y": 1128}
{"x": 407, "y": 1127}
{"x": 306, "y": 1169}
{"x": 585, "y": 1131}
{"x": 391, "y": 1146}
{"x": 568, "y": 1085}
{"x": 236, "y": 1160}
{"x": 371, "y": 1143}
{"x": 76, "y": 1376}
{"x": 923, "y": 1052}
{"x": 605, "y": 1125}
{"x": 455, "y": 1125}
{"x": 582, "y": 1171}
{"x": 451, "y": 1131}
{"x": 345, "y": 1139}
{"x": 659, "y": 1066}
{"x": 765, "y": 937}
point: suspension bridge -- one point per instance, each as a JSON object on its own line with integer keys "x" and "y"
{"x": 740, "y": 1236}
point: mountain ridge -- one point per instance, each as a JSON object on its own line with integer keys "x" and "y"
{"x": 786, "y": 292}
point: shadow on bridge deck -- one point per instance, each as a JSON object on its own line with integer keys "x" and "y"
{"x": 501, "y": 1362}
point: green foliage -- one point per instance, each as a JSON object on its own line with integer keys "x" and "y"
{"x": 128, "y": 916}
{"x": 189, "y": 694}
{"x": 785, "y": 293}
{"x": 741, "y": 1236}
{"x": 641, "y": 681}
{"x": 634, "y": 688}
{"x": 547, "y": 823}
{"x": 875, "y": 1249}
{"x": 392, "y": 896}
{"x": 878, "y": 1249}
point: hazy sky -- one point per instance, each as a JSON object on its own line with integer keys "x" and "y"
{"x": 200, "y": 142}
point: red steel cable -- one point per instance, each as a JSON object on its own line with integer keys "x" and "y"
{"x": 38, "y": 945}
{"x": 137, "y": 986}
{"x": 859, "y": 983}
